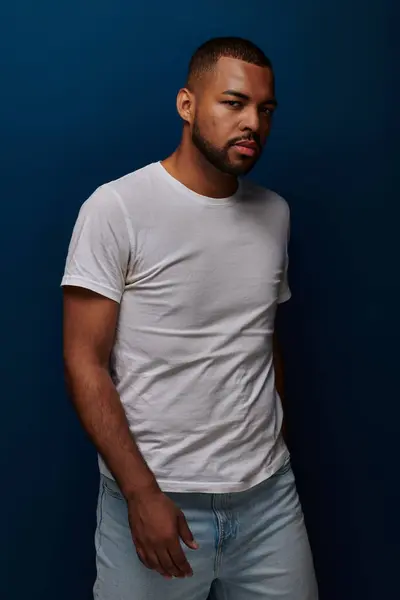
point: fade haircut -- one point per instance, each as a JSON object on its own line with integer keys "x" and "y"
{"x": 208, "y": 54}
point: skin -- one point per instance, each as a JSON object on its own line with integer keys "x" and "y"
{"x": 89, "y": 326}
{"x": 234, "y": 102}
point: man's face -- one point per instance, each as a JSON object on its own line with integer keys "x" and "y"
{"x": 233, "y": 115}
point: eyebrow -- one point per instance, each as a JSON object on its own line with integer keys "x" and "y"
{"x": 270, "y": 101}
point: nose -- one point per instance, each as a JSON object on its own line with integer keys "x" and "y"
{"x": 250, "y": 120}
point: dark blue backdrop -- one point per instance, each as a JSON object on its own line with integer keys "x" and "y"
{"x": 88, "y": 95}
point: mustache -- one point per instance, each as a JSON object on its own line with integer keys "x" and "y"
{"x": 254, "y": 137}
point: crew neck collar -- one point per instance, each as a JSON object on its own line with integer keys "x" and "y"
{"x": 194, "y": 195}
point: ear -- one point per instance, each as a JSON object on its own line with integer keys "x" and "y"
{"x": 185, "y": 104}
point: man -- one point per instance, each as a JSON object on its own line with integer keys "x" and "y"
{"x": 172, "y": 280}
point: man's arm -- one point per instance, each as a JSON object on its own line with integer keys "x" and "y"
{"x": 89, "y": 329}
{"x": 156, "y": 523}
{"x": 100, "y": 256}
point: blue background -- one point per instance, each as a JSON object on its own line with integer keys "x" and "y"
{"x": 88, "y": 94}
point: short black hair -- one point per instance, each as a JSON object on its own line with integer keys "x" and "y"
{"x": 207, "y": 55}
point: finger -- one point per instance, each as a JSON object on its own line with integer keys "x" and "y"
{"x": 151, "y": 562}
{"x": 179, "y": 559}
{"x": 185, "y": 533}
{"x": 142, "y": 556}
{"x": 167, "y": 563}
{"x": 157, "y": 565}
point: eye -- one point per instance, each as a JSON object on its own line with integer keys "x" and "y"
{"x": 267, "y": 111}
{"x": 233, "y": 103}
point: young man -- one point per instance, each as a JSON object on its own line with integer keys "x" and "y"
{"x": 172, "y": 281}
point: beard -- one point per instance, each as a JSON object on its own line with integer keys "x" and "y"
{"x": 219, "y": 157}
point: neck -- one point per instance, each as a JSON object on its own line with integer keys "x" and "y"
{"x": 190, "y": 167}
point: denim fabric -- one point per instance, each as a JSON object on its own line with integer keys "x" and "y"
{"x": 253, "y": 545}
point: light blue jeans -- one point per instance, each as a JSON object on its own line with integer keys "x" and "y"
{"x": 253, "y": 546}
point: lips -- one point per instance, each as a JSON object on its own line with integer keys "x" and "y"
{"x": 247, "y": 147}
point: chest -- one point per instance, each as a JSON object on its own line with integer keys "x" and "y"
{"x": 204, "y": 267}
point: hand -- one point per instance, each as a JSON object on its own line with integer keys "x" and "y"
{"x": 157, "y": 525}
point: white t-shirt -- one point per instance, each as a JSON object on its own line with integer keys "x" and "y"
{"x": 198, "y": 281}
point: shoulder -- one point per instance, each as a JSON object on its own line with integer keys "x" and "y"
{"x": 115, "y": 198}
{"x": 133, "y": 187}
{"x": 265, "y": 200}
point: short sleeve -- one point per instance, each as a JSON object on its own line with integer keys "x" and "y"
{"x": 284, "y": 289}
{"x": 100, "y": 246}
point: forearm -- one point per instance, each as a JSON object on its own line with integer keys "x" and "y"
{"x": 101, "y": 413}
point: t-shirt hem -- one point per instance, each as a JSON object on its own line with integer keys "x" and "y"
{"x": 76, "y": 281}
{"x": 185, "y": 487}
